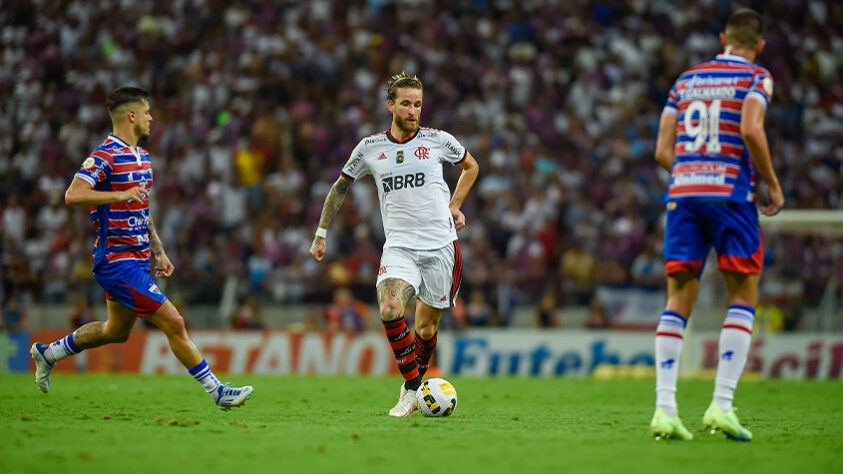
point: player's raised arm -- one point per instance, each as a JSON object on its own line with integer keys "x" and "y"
{"x": 752, "y": 132}
{"x": 81, "y": 193}
{"x": 470, "y": 169}
{"x": 666, "y": 143}
{"x": 333, "y": 203}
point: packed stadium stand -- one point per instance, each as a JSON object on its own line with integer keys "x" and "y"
{"x": 257, "y": 106}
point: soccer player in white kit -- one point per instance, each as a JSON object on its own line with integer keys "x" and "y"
{"x": 421, "y": 256}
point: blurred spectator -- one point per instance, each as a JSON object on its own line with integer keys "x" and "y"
{"x": 13, "y": 219}
{"x": 769, "y": 318}
{"x": 479, "y": 312}
{"x": 347, "y": 313}
{"x": 548, "y": 315}
{"x": 578, "y": 265}
{"x": 648, "y": 267}
{"x": 82, "y": 313}
{"x": 249, "y": 316}
{"x": 14, "y": 315}
{"x": 597, "y": 317}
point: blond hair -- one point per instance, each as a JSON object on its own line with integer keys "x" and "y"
{"x": 402, "y": 80}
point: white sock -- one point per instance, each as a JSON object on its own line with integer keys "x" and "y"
{"x": 668, "y": 349}
{"x": 61, "y": 349}
{"x": 733, "y": 349}
{"x": 203, "y": 374}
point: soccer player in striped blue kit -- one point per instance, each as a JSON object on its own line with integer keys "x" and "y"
{"x": 710, "y": 135}
{"x": 114, "y": 183}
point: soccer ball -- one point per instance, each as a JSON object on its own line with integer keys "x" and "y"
{"x": 436, "y": 397}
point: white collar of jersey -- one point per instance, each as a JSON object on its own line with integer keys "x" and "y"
{"x": 135, "y": 149}
{"x": 732, "y": 57}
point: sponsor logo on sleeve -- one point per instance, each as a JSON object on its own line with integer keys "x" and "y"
{"x": 453, "y": 149}
{"x": 89, "y": 163}
{"x": 767, "y": 83}
{"x": 354, "y": 162}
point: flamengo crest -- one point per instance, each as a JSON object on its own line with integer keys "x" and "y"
{"x": 422, "y": 153}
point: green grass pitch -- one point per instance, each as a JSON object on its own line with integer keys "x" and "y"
{"x": 162, "y": 424}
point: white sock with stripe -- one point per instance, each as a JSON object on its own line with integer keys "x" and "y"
{"x": 61, "y": 349}
{"x": 203, "y": 374}
{"x": 733, "y": 350}
{"x": 668, "y": 349}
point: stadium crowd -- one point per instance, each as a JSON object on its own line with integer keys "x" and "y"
{"x": 258, "y": 104}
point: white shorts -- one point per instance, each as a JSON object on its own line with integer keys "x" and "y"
{"x": 434, "y": 274}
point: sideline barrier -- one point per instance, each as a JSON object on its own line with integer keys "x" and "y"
{"x": 490, "y": 352}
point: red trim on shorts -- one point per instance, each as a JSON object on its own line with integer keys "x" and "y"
{"x": 747, "y": 265}
{"x": 735, "y": 326}
{"x": 456, "y": 276}
{"x": 676, "y": 266}
{"x": 144, "y": 305}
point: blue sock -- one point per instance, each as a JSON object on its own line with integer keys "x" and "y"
{"x": 202, "y": 373}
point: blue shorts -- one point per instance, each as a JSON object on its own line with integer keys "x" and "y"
{"x": 694, "y": 227}
{"x": 129, "y": 282}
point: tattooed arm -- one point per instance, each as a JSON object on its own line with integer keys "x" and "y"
{"x": 330, "y": 209}
{"x": 163, "y": 266}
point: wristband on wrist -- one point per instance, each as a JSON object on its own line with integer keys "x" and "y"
{"x": 321, "y": 232}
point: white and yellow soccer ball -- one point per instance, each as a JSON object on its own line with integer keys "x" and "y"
{"x": 436, "y": 397}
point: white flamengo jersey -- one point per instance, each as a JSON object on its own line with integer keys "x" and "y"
{"x": 413, "y": 193}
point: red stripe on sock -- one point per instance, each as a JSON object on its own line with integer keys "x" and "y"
{"x": 402, "y": 343}
{"x": 406, "y": 364}
{"x": 426, "y": 346}
{"x": 394, "y": 328}
{"x": 669, "y": 334}
{"x": 411, "y": 374}
{"x": 424, "y": 352}
{"x": 735, "y": 326}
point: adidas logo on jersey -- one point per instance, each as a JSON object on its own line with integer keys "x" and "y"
{"x": 382, "y": 157}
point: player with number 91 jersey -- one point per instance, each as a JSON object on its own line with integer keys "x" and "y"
{"x": 711, "y": 160}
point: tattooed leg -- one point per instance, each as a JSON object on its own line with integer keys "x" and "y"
{"x": 393, "y": 295}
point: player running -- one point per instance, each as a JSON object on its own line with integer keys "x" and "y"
{"x": 421, "y": 256}
{"x": 114, "y": 182}
{"x": 711, "y": 131}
